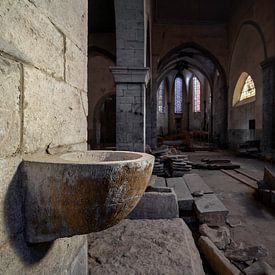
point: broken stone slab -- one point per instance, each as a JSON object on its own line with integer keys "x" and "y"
{"x": 220, "y": 237}
{"x": 144, "y": 247}
{"x": 245, "y": 254}
{"x": 210, "y": 210}
{"x": 216, "y": 259}
{"x": 185, "y": 199}
{"x": 269, "y": 177}
{"x": 259, "y": 268}
{"x": 156, "y": 203}
{"x": 195, "y": 184}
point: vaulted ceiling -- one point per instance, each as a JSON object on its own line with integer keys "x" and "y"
{"x": 194, "y": 11}
{"x": 101, "y": 16}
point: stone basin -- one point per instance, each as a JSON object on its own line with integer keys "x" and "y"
{"x": 81, "y": 192}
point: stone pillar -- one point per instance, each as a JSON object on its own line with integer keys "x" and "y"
{"x": 268, "y": 138}
{"x": 130, "y": 75}
{"x": 130, "y": 108}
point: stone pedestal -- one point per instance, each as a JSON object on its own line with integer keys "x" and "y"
{"x": 268, "y": 139}
{"x": 130, "y": 108}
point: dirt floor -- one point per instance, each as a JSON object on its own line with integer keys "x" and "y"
{"x": 256, "y": 222}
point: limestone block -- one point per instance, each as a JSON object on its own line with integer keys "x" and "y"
{"x": 10, "y": 199}
{"x": 144, "y": 247}
{"x": 210, "y": 210}
{"x": 259, "y": 267}
{"x": 76, "y": 66}
{"x": 54, "y": 113}
{"x": 70, "y": 16}
{"x": 156, "y": 203}
{"x": 219, "y": 263}
{"x": 18, "y": 257}
{"x": 10, "y": 81}
{"x": 185, "y": 199}
{"x": 196, "y": 184}
{"x": 31, "y": 36}
{"x": 160, "y": 182}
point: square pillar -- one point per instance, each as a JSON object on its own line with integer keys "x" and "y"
{"x": 130, "y": 107}
{"x": 268, "y": 138}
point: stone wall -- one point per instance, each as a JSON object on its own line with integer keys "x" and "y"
{"x": 43, "y": 103}
{"x": 249, "y": 32}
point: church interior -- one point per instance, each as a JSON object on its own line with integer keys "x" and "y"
{"x": 137, "y": 137}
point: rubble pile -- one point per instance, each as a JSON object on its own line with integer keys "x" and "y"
{"x": 170, "y": 162}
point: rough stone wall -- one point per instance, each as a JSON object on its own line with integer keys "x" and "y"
{"x": 43, "y": 103}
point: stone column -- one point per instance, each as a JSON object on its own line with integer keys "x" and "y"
{"x": 130, "y": 75}
{"x": 130, "y": 108}
{"x": 268, "y": 138}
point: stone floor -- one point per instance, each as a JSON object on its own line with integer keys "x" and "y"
{"x": 257, "y": 223}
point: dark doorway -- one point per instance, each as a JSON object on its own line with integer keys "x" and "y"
{"x": 108, "y": 122}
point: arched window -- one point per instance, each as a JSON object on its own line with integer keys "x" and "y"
{"x": 196, "y": 95}
{"x": 161, "y": 97}
{"x": 248, "y": 89}
{"x": 245, "y": 90}
{"x": 178, "y": 95}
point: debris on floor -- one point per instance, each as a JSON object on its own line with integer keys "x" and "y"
{"x": 170, "y": 162}
{"x": 220, "y": 236}
{"x": 250, "y": 148}
{"x": 259, "y": 268}
{"x": 215, "y": 164}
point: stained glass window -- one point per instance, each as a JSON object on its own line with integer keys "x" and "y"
{"x": 178, "y": 95}
{"x": 161, "y": 98}
{"x": 248, "y": 89}
{"x": 196, "y": 95}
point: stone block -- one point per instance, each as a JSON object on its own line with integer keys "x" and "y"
{"x": 156, "y": 203}
{"x": 265, "y": 196}
{"x": 259, "y": 267}
{"x": 18, "y": 257}
{"x": 144, "y": 247}
{"x": 185, "y": 199}
{"x": 70, "y": 16}
{"x": 196, "y": 184}
{"x": 210, "y": 210}
{"x": 269, "y": 177}
{"x": 160, "y": 182}
{"x": 76, "y": 66}
{"x": 10, "y": 87}
{"x": 60, "y": 115}
{"x": 31, "y": 36}
{"x": 219, "y": 263}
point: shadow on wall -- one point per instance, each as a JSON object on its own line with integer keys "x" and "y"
{"x": 29, "y": 254}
